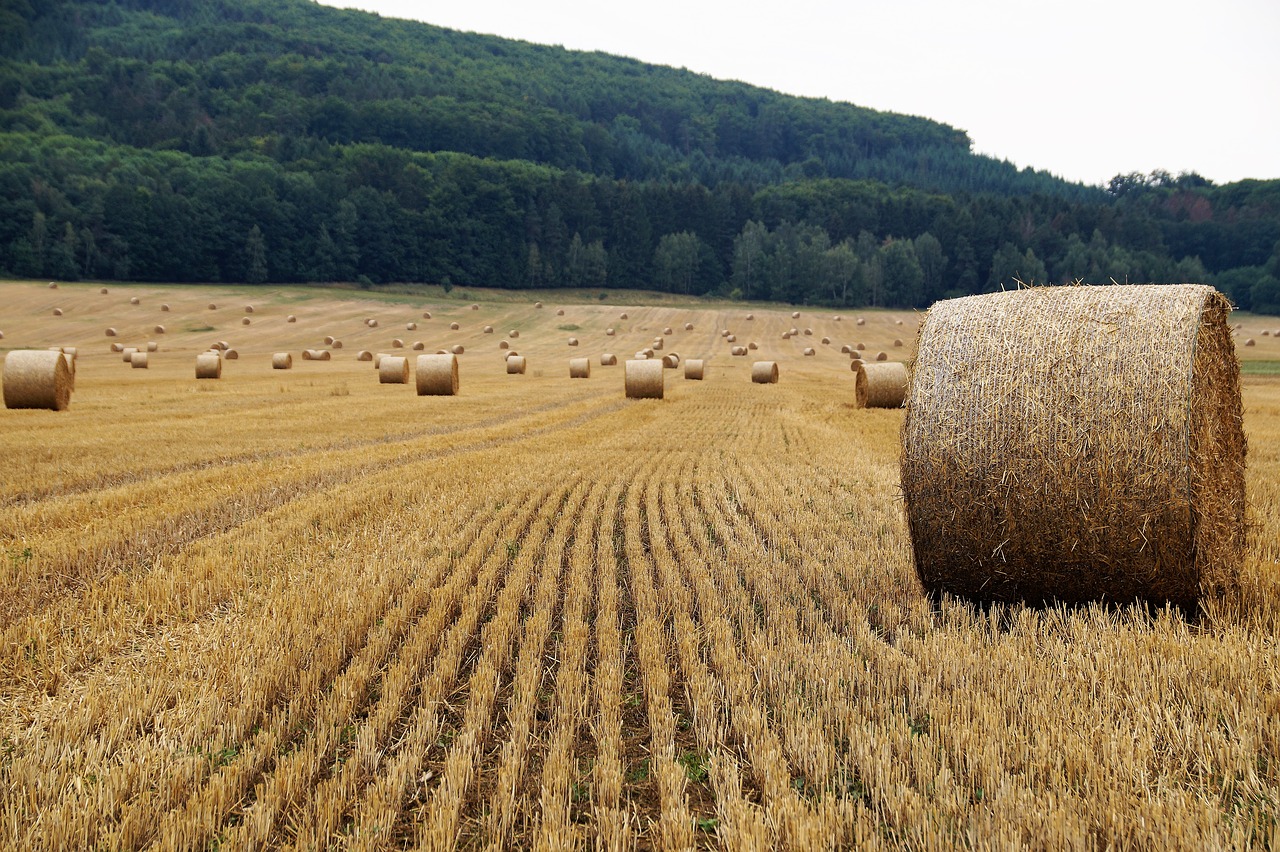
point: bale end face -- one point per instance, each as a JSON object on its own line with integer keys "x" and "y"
{"x": 644, "y": 379}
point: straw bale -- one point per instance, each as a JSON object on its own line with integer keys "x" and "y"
{"x": 127, "y": 353}
{"x": 694, "y": 368}
{"x": 670, "y": 361}
{"x": 609, "y": 332}
{"x": 117, "y": 347}
{"x": 724, "y": 332}
{"x": 475, "y": 307}
{"x": 111, "y": 332}
{"x": 795, "y": 315}
{"x": 284, "y": 361}
{"x": 505, "y": 355}
{"x": 57, "y": 312}
{"x": 1119, "y": 478}
{"x": 164, "y": 308}
{"x": 537, "y": 304}
{"x": 657, "y": 344}
{"x": 644, "y": 379}
{"x": 641, "y": 355}
{"x": 622, "y": 315}
{"x": 764, "y": 372}
{"x": 897, "y": 322}
{"x": 579, "y": 368}
{"x": 861, "y": 321}
{"x": 1266, "y": 332}
{"x": 560, "y": 312}
{"x": 882, "y": 356}
{"x": 1249, "y": 342}
{"x": 573, "y": 341}
{"x": 245, "y": 320}
{"x": 752, "y": 346}
{"x": 453, "y": 326}
{"x": 103, "y": 291}
{"x": 212, "y": 306}
{"x": 397, "y": 344}
{"x": 513, "y": 334}
{"x": 502, "y": 344}
{"x": 648, "y": 351}
{"x": 733, "y": 338}
{"x": 233, "y": 355}
{"x": 419, "y": 346}
{"x": 457, "y": 349}
{"x": 515, "y": 365}
{"x": 134, "y": 300}
{"x": 808, "y": 332}
{"x": 371, "y": 323}
{"x": 793, "y": 332}
{"x": 138, "y": 360}
{"x": 897, "y": 342}
{"x": 738, "y": 350}
{"x": 826, "y": 341}
{"x": 437, "y": 375}
{"x": 751, "y": 316}
{"x": 786, "y": 335}
{"x": 291, "y": 318}
{"x": 488, "y": 329}
{"x": 1, "y": 335}
{"x": 337, "y": 344}
{"x": 837, "y": 318}
{"x": 316, "y": 355}
{"x": 35, "y": 378}
{"x": 248, "y": 309}
{"x": 208, "y": 365}
{"x": 411, "y": 326}
{"x": 53, "y": 285}
{"x": 879, "y": 385}
{"x": 393, "y": 370}
{"x": 688, "y": 326}
{"x": 153, "y": 346}
{"x": 667, "y": 330}
{"x": 159, "y": 329}
{"x": 362, "y": 355}
{"x": 223, "y": 345}
{"x": 860, "y": 347}
{"x": 608, "y": 359}
{"x": 328, "y": 340}
{"x": 808, "y": 350}
{"x": 426, "y": 314}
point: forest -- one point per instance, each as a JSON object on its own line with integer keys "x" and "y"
{"x": 278, "y": 141}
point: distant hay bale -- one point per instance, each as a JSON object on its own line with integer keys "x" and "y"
{"x": 57, "y": 312}
{"x": 397, "y": 344}
{"x": 826, "y": 341}
{"x": 795, "y": 315}
{"x": 861, "y": 321}
{"x": 362, "y": 355}
{"x": 328, "y": 340}
{"x": 234, "y": 355}
{"x": 1266, "y": 332}
{"x": 502, "y": 344}
{"x": 153, "y": 346}
{"x": 738, "y": 350}
{"x": 291, "y": 318}
{"x": 1249, "y": 342}
{"x": 475, "y": 307}
{"x": 644, "y": 379}
{"x": 505, "y": 355}
{"x": 751, "y": 316}
{"x": 248, "y": 309}
{"x": 648, "y": 351}
{"x": 608, "y": 359}
{"x": 764, "y": 372}
{"x": 245, "y": 320}
{"x": 34, "y": 378}
{"x": 608, "y": 332}
{"x": 103, "y": 291}
{"x": 134, "y": 300}
{"x": 316, "y": 355}
{"x": 537, "y": 304}
{"x": 437, "y": 375}
{"x": 513, "y": 334}
{"x": 846, "y": 349}
{"x": 138, "y": 360}
{"x": 879, "y": 385}
{"x": 453, "y": 326}
{"x": 560, "y": 312}
{"x": 724, "y": 332}
{"x": 164, "y": 308}
{"x": 622, "y": 315}
{"x": 882, "y": 356}
{"x": 733, "y": 338}
{"x": 159, "y": 329}
{"x": 897, "y": 342}
{"x": 1117, "y": 479}
{"x": 573, "y": 341}
{"x": 670, "y": 361}
{"x": 127, "y": 353}
{"x": 786, "y": 335}
{"x": 393, "y": 370}
{"x": 642, "y": 355}
{"x": 897, "y": 322}
{"x": 579, "y": 368}
{"x": 752, "y": 346}
{"x": 808, "y": 350}
{"x": 694, "y": 368}
{"x": 515, "y": 365}
{"x": 284, "y": 361}
{"x": 208, "y": 365}
{"x": 411, "y": 326}
{"x": 419, "y": 346}
{"x": 1, "y": 335}
{"x": 488, "y": 329}
{"x": 223, "y": 345}
{"x": 371, "y": 323}
{"x": 860, "y": 346}
{"x": 111, "y": 332}
{"x": 212, "y": 307}
{"x": 426, "y": 314}
{"x": 837, "y": 318}
{"x": 117, "y": 347}
{"x": 457, "y": 349}
{"x": 793, "y": 332}
{"x": 657, "y": 344}
{"x": 688, "y": 326}
{"x": 53, "y": 285}
{"x": 808, "y": 332}
{"x": 337, "y": 344}
{"x": 667, "y": 330}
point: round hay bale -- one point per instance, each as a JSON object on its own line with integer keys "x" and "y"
{"x": 475, "y": 307}
{"x": 897, "y": 342}
{"x": 505, "y": 355}
{"x": 337, "y": 344}
{"x": 751, "y": 316}
{"x": 453, "y": 326}
{"x": 897, "y": 322}
{"x": 281, "y": 361}
{"x": 111, "y": 332}
{"x": 793, "y": 332}
{"x": 808, "y": 332}
{"x": 1, "y": 335}
{"x": 245, "y": 320}
{"x": 641, "y": 355}
{"x": 808, "y": 350}
{"x": 879, "y": 385}
{"x": 328, "y": 340}
{"x": 488, "y": 329}
{"x": 560, "y": 312}
{"x": 53, "y": 285}
{"x": 159, "y": 329}
{"x": 212, "y": 307}
{"x": 316, "y": 355}
{"x": 515, "y": 365}
{"x": 693, "y": 369}
{"x": 411, "y": 326}
{"x": 134, "y": 300}
{"x": 764, "y": 372}
{"x": 164, "y": 308}
{"x": 688, "y": 326}
{"x": 837, "y": 318}
{"x": 1120, "y": 478}
{"x": 457, "y": 349}
{"x": 1266, "y": 332}
{"x": 127, "y": 353}
{"x": 644, "y": 379}
{"x": 622, "y": 315}
{"x": 117, "y": 347}
{"x": 233, "y": 355}
{"x": 671, "y": 361}
{"x": 733, "y": 338}
{"x": 248, "y": 309}
{"x": 608, "y": 359}
{"x": 57, "y": 312}
{"x": 861, "y": 321}
{"x": 36, "y": 378}
{"x": 502, "y": 344}
{"x": 846, "y": 350}
{"x": 371, "y": 323}
{"x": 103, "y": 291}
{"x": 393, "y": 370}
{"x": 648, "y": 351}
{"x": 657, "y": 344}
{"x": 291, "y": 318}
{"x": 513, "y": 334}
{"x": 579, "y": 368}
{"x": 826, "y": 341}
{"x": 573, "y": 341}
{"x": 419, "y": 346}
{"x": 153, "y": 346}
{"x": 138, "y": 360}
{"x": 426, "y": 314}
{"x": 861, "y": 347}
{"x": 882, "y": 356}
{"x": 667, "y": 330}
{"x": 724, "y": 332}
{"x": 437, "y": 375}
{"x": 786, "y": 335}
{"x": 608, "y": 332}
{"x": 1249, "y": 342}
{"x": 362, "y": 355}
{"x": 537, "y": 304}
{"x": 397, "y": 344}
{"x": 738, "y": 350}
{"x": 795, "y": 315}
{"x": 752, "y": 346}
{"x": 208, "y": 365}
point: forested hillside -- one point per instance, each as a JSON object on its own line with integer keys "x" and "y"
{"x": 283, "y": 141}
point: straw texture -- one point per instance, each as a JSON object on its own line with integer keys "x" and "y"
{"x": 1076, "y": 443}
{"x": 138, "y": 360}
{"x": 209, "y": 365}
{"x": 644, "y": 379}
{"x": 393, "y": 370}
{"x": 693, "y": 369}
{"x": 608, "y": 359}
{"x": 764, "y": 372}
{"x": 515, "y": 365}
{"x": 879, "y": 385}
{"x": 579, "y": 368}
{"x": 35, "y": 378}
{"x": 282, "y": 361}
{"x": 437, "y": 375}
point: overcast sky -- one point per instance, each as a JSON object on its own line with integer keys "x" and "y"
{"x": 1085, "y": 89}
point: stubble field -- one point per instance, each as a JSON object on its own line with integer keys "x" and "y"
{"x": 303, "y": 609}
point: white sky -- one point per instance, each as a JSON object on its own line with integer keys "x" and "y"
{"x": 1085, "y": 89}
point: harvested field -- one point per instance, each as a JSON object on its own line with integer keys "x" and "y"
{"x": 315, "y": 611}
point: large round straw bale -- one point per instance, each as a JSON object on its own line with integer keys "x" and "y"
{"x": 786, "y": 335}
{"x": 457, "y": 349}
{"x": 808, "y": 350}
{"x": 35, "y": 378}
{"x": 808, "y": 332}
{"x": 291, "y": 318}
{"x": 560, "y": 312}
{"x": 208, "y": 365}
{"x": 103, "y": 291}
{"x": 245, "y": 320}
{"x": 316, "y": 355}
{"x": 1121, "y": 477}
{"x": 153, "y": 346}
{"x": 475, "y": 307}
{"x": 671, "y": 361}
{"x": 234, "y": 355}
{"x": 793, "y": 332}
{"x": 453, "y": 326}
{"x": 738, "y": 350}
{"x": 795, "y": 315}
{"x": 537, "y": 304}
{"x": 426, "y": 314}
{"x": 608, "y": 359}
{"x": 733, "y": 338}
{"x": 861, "y": 321}
{"x": 411, "y": 326}
{"x": 159, "y": 329}
{"x": 609, "y": 332}
{"x": 826, "y": 341}
{"x": 138, "y": 360}
{"x": 127, "y": 353}
{"x": 724, "y": 332}
{"x": 419, "y": 346}
{"x": 281, "y": 361}
{"x": 622, "y": 315}
{"x": 879, "y": 385}
{"x": 688, "y": 326}
{"x": 248, "y": 309}
{"x": 882, "y": 356}
{"x": 362, "y": 355}
{"x": 764, "y": 372}
{"x": 667, "y": 330}
{"x": 111, "y": 332}
{"x": 502, "y": 344}
{"x": 657, "y": 344}
{"x": 1249, "y": 342}
{"x": 164, "y": 308}
{"x": 437, "y": 375}
{"x": 488, "y": 329}
{"x": 579, "y": 368}
{"x": 573, "y": 341}
{"x": 752, "y": 346}
{"x": 337, "y": 344}
{"x": 751, "y": 316}
{"x": 693, "y": 369}
{"x": 117, "y": 347}
{"x": 644, "y": 379}
{"x": 371, "y": 323}
{"x": 53, "y": 285}
{"x": 861, "y": 347}
{"x": 328, "y": 340}
{"x": 897, "y": 342}
{"x": 57, "y": 312}
{"x": 397, "y": 344}
{"x": 134, "y": 300}
{"x": 513, "y": 334}
{"x": 393, "y": 370}
{"x": 212, "y": 306}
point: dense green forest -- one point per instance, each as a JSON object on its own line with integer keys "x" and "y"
{"x": 283, "y": 141}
